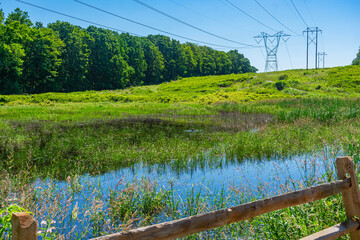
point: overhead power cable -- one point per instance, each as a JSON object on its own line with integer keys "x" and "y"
{"x": 206, "y": 16}
{"x": 242, "y": 11}
{"x": 299, "y": 13}
{"x": 322, "y": 41}
{"x": 292, "y": 9}
{"x": 153, "y": 28}
{"x": 261, "y": 51}
{"x": 188, "y": 24}
{"x": 308, "y": 9}
{"x": 287, "y": 49}
{"x": 275, "y": 18}
{"x": 77, "y": 18}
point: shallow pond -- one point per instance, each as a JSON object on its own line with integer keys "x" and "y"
{"x": 250, "y": 179}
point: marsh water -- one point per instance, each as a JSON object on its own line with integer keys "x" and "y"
{"x": 249, "y": 178}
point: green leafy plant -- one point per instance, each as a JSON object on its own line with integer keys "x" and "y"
{"x": 5, "y": 219}
{"x": 280, "y": 85}
{"x": 283, "y": 77}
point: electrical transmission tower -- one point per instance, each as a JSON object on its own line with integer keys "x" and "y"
{"x": 271, "y": 43}
{"x": 321, "y": 58}
{"x": 312, "y": 37}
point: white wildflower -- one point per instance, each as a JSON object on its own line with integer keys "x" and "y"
{"x": 50, "y": 230}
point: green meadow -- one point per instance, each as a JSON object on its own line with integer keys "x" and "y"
{"x": 212, "y": 90}
{"x": 191, "y": 123}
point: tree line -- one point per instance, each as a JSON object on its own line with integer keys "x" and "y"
{"x": 63, "y": 57}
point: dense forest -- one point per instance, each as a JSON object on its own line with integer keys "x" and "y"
{"x": 63, "y": 57}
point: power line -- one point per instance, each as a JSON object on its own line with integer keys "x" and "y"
{"x": 77, "y": 18}
{"x": 242, "y": 11}
{"x": 308, "y": 9}
{"x": 153, "y": 28}
{"x": 321, "y": 55}
{"x": 188, "y": 24}
{"x": 112, "y": 28}
{"x": 261, "y": 51}
{"x": 299, "y": 13}
{"x": 312, "y": 37}
{"x": 271, "y": 43}
{"x": 206, "y": 16}
{"x": 287, "y": 49}
{"x": 275, "y": 18}
{"x": 292, "y": 9}
{"x": 322, "y": 41}
{"x": 321, "y": 58}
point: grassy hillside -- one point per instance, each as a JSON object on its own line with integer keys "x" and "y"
{"x": 339, "y": 81}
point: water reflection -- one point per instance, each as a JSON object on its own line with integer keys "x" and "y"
{"x": 253, "y": 179}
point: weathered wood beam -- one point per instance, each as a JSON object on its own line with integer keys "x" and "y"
{"x": 194, "y": 224}
{"x": 334, "y": 232}
{"x": 351, "y": 197}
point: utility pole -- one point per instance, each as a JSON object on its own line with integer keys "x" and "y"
{"x": 312, "y": 34}
{"x": 271, "y": 43}
{"x": 321, "y": 58}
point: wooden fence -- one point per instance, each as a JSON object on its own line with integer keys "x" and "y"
{"x": 347, "y": 185}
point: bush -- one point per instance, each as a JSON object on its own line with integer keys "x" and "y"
{"x": 283, "y": 77}
{"x": 3, "y": 100}
{"x": 280, "y": 85}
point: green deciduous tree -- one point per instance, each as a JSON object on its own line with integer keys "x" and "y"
{"x": 135, "y": 57}
{"x": 74, "y": 56}
{"x": 10, "y": 67}
{"x": 63, "y": 57}
{"x": 174, "y": 56}
{"x": 155, "y": 63}
{"x": 11, "y": 55}
{"x": 107, "y": 67}
{"x": 190, "y": 62}
{"x": 20, "y": 16}
{"x": 42, "y": 61}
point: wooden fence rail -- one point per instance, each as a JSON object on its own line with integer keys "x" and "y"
{"x": 347, "y": 185}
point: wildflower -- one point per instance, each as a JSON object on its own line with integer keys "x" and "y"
{"x": 53, "y": 221}
{"x": 43, "y": 222}
{"x": 50, "y": 230}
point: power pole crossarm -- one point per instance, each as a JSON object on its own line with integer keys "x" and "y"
{"x": 321, "y": 58}
{"x": 271, "y": 43}
{"x": 312, "y": 34}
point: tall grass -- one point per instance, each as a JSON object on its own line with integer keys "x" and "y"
{"x": 62, "y": 215}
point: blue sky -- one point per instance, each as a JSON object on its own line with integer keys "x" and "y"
{"x": 339, "y": 21}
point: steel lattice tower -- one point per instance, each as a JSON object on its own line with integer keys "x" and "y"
{"x": 271, "y": 43}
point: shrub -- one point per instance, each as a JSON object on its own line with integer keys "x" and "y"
{"x": 280, "y": 85}
{"x": 283, "y": 77}
{"x": 3, "y": 100}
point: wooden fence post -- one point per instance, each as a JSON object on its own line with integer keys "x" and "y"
{"x": 351, "y": 196}
{"x": 23, "y": 227}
